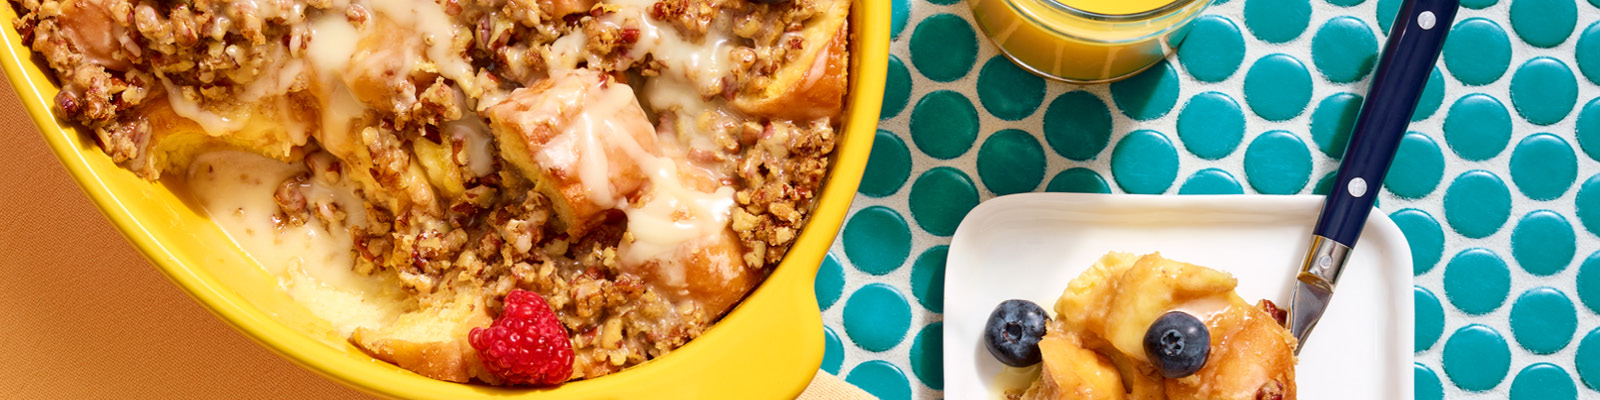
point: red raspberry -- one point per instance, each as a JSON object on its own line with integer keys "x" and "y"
{"x": 527, "y": 344}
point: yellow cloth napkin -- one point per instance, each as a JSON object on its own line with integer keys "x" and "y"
{"x": 84, "y": 315}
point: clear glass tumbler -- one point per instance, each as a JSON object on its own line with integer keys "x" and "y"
{"x": 1055, "y": 39}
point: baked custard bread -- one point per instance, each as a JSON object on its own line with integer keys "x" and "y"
{"x": 1096, "y": 346}
{"x": 433, "y": 340}
{"x": 812, "y": 85}
{"x": 402, "y": 166}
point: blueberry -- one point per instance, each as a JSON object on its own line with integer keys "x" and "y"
{"x": 1178, "y": 344}
{"x": 1013, "y": 332}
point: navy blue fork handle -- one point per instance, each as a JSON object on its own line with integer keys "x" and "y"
{"x": 1408, "y": 58}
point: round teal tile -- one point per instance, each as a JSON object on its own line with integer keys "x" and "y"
{"x": 1079, "y": 180}
{"x": 944, "y": 124}
{"x": 1008, "y": 92}
{"x": 1325, "y": 184}
{"x": 1544, "y": 90}
{"x": 1213, "y": 49}
{"x": 1477, "y": 51}
{"x": 881, "y": 379}
{"x": 1387, "y": 9}
{"x": 1588, "y": 359}
{"x": 1211, "y": 181}
{"x": 899, "y": 12}
{"x": 944, "y": 47}
{"x": 1543, "y": 381}
{"x": 1543, "y": 166}
{"x": 1432, "y": 96}
{"x": 1417, "y": 168}
{"x": 1077, "y": 125}
{"x": 1211, "y": 125}
{"x": 1588, "y": 52}
{"x": 1344, "y": 49}
{"x": 1332, "y": 122}
{"x": 1544, "y": 23}
{"x": 1429, "y": 319}
{"x": 1588, "y": 205}
{"x": 832, "y": 351}
{"x": 1476, "y": 358}
{"x": 1543, "y": 243}
{"x": 1478, "y": 127}
{"x": 1148, "y": 95}
{"x": 876, "y": 317}
{"x": 1277, "y": 21}
{"x": 1476, "y": 204}
{"x": 1478, "y": 4}
{"x": 888, "y": 167}
{"x": 1277, "y": 162}
{"x": 1277, "y": 87}
{"x": 940, "y": 198}
{"x": 1543, "y": 320}
{"x": 1011, "y": 161}
{"x": 1427, "y": 384}
{"x": 1345, "y": 3}
{"x": 944, "y": 2}
{"x": 927, "y": 278}
{"x": 1144, "y": 162}
{"x": 1589, "y": 282}
{"x": 1425, "y": 237}
{"x": 927, "y": 356}
{"x": 1588, "y": 129}
{"x": 877, "y": 240}
{"x": 1476, "y": 281}
{"x": 896, "y": 89}
{"x": 829, "y": 284}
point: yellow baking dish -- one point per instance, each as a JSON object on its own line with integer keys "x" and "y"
{"x": 769, "y": 346}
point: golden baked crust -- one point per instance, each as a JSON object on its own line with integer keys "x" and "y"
{"x": 813, "y": 85}
{"x": 1072, "y": 371}
{"x": 432, "y": 341}
{"x": 538, "y": 133}
{"x": 1256, "y": 360}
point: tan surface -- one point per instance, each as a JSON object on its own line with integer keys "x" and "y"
{"x": 84, "y": 315}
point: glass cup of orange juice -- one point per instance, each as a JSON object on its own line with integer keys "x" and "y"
{"x": 1086, "y": 41}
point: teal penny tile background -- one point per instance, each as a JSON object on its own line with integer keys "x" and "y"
{"x": 1497, "y": 186}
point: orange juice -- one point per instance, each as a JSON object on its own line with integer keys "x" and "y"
{"x": 1115, "y": 7}
{"x": 1086, "y": 41}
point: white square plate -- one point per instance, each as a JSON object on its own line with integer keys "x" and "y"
{"x": 1029, "y": 246}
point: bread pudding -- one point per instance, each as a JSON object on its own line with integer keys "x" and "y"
{"x": 403, "y": 165}
{"x": 1099, "y": 344}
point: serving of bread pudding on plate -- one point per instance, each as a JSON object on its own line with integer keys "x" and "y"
{"x": 502, "y": 191}
{"x": 1146, "y": 327}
